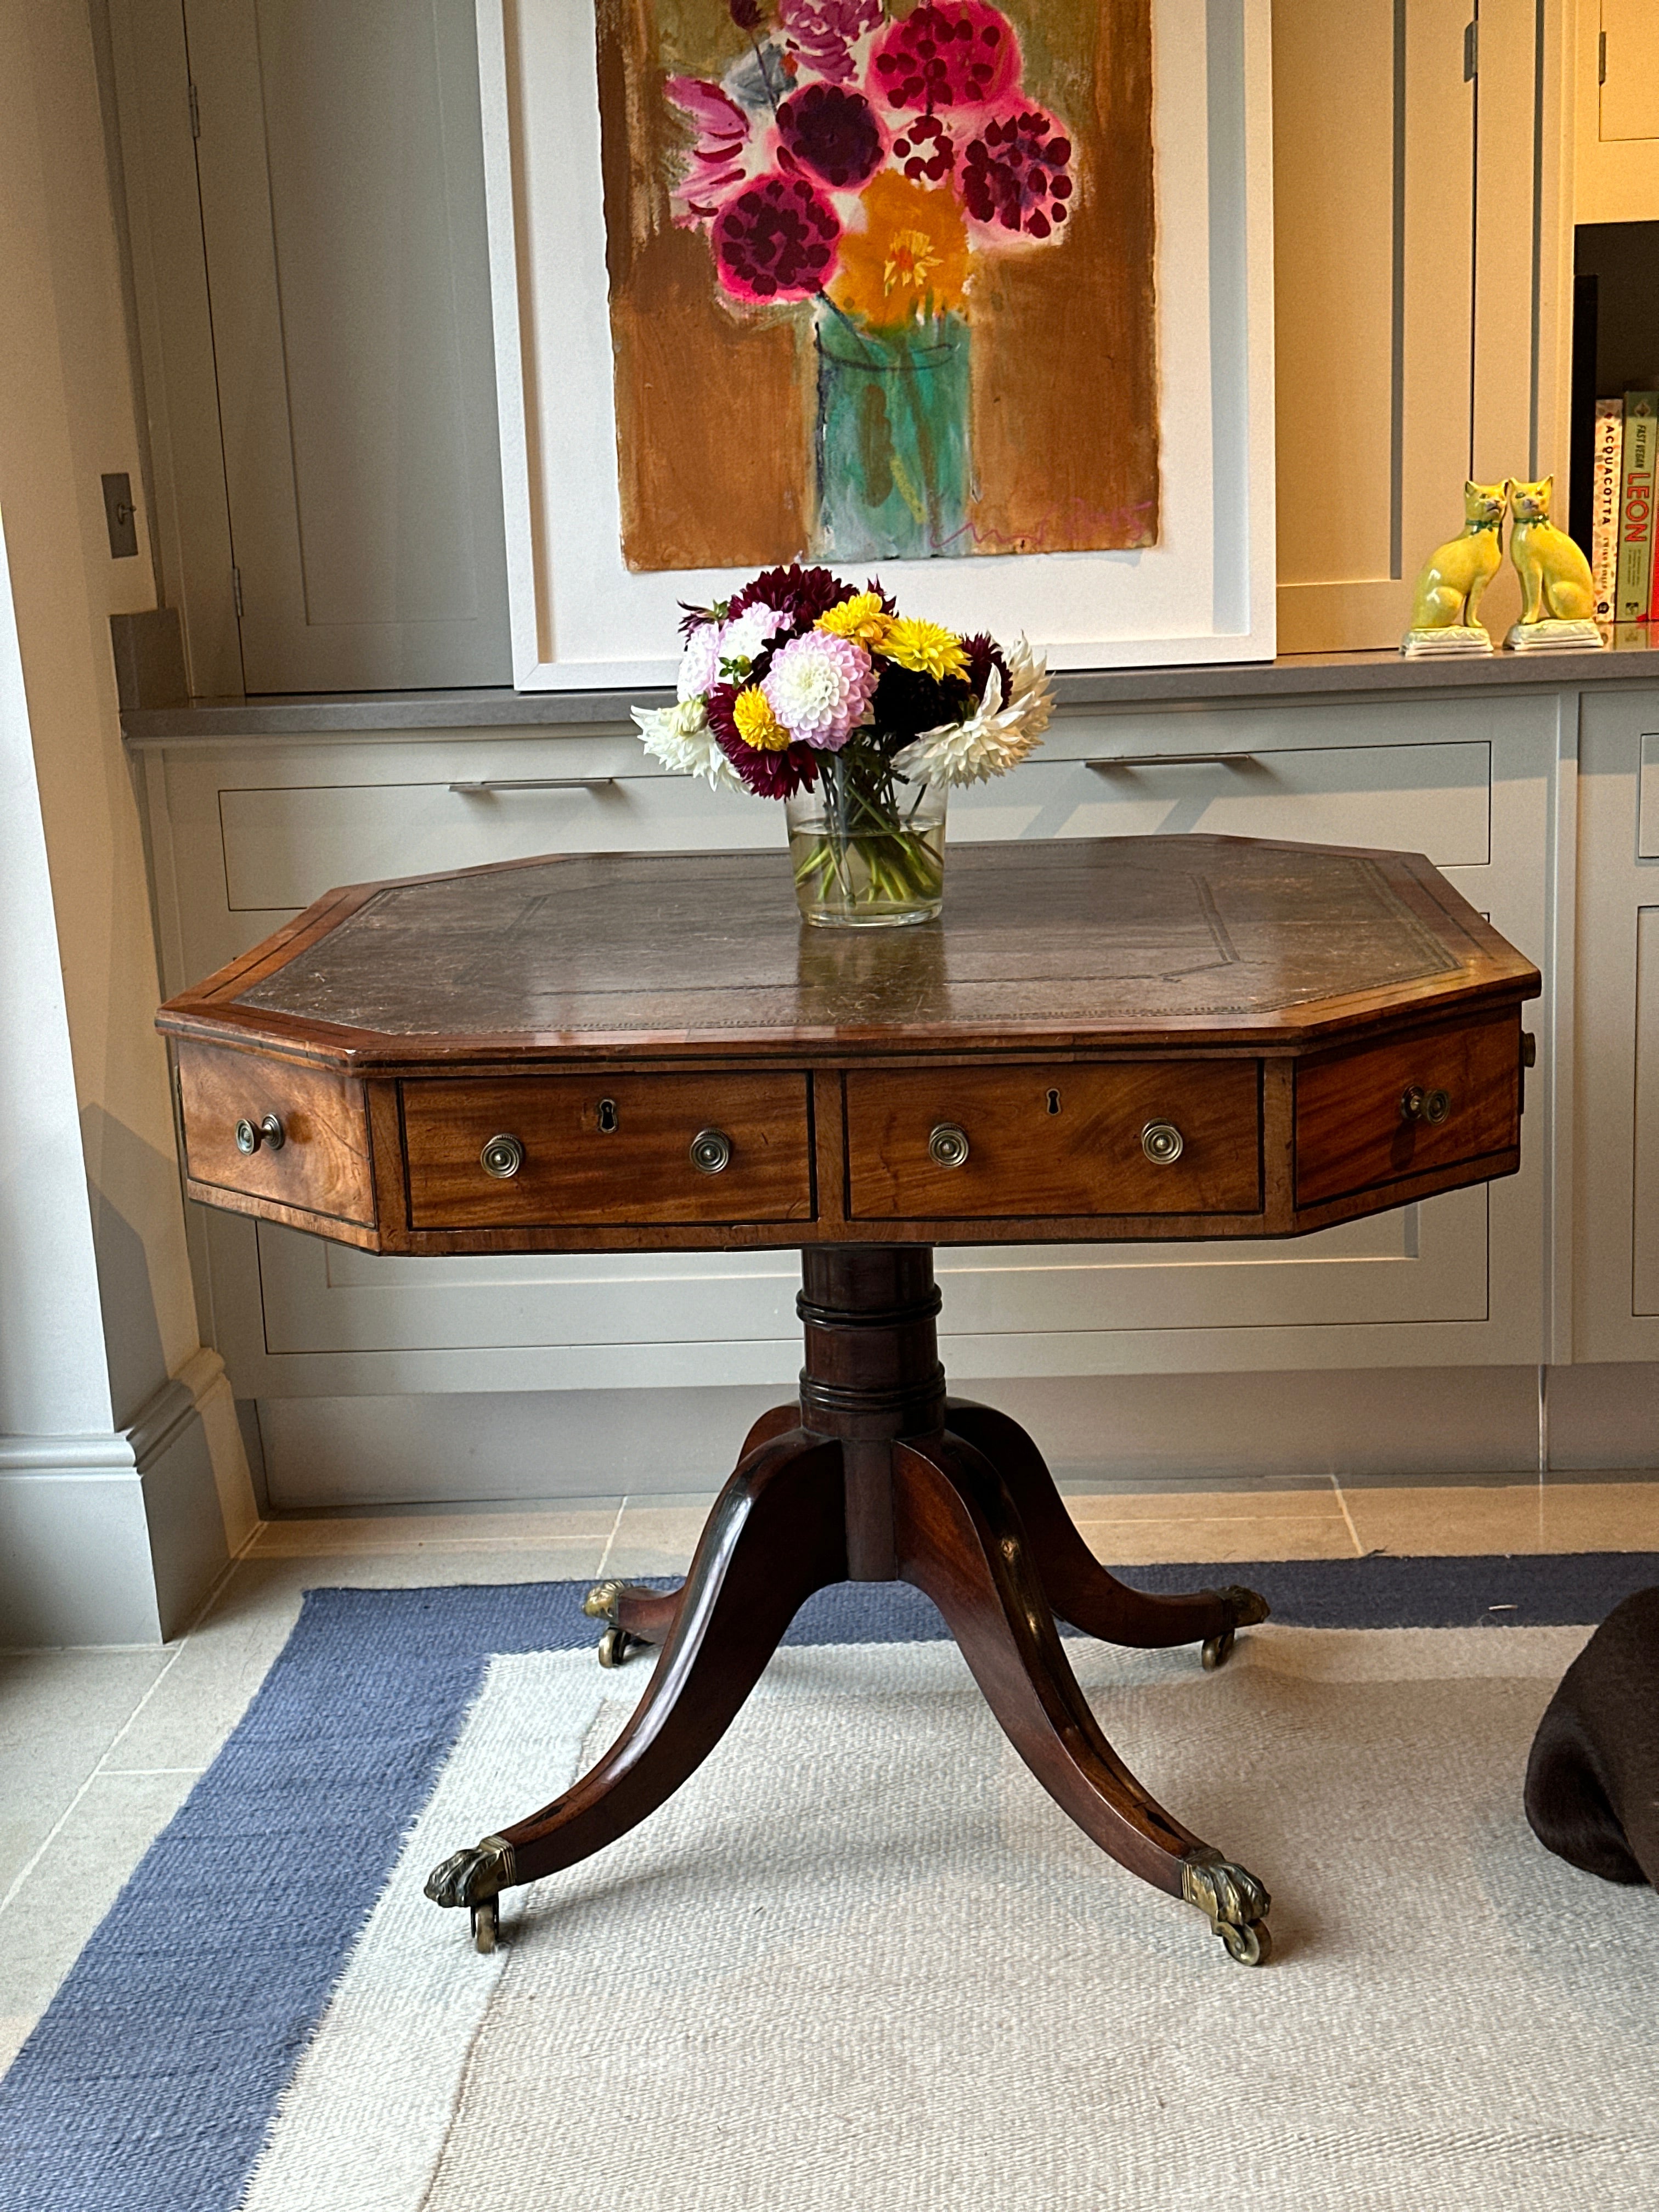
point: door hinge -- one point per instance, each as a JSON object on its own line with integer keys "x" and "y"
{"x": 1602, "y": 57}
{"x": 236, "y": 588}
{"x": 195, "y": 114}
{"x": 1471, "y": 51}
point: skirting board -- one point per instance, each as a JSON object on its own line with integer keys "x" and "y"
{"x": 117, "y": 1537}
{"x": 1421, "y": 1424}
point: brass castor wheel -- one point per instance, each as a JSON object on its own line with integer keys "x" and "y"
{"x": 1234, "y": 1902}
{"x": 486, "y": 1924}
{"x": 615, "y": 1646}
{"x": 604, "y": 1602}
{"x": 1218, "y": 1649}
{"x": 1247, "y": 1608}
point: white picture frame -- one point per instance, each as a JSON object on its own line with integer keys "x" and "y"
{"x": 582, "y": 620}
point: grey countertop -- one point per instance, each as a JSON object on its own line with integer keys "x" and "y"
{"x": 1294, "y": 676}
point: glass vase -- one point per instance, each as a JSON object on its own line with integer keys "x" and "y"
{"x": 891, "y": 439}
{"x": 867, "y": 844}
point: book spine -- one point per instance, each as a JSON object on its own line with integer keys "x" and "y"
{"x": 1635, "y": 506}
{"x": 1606, "y": 478}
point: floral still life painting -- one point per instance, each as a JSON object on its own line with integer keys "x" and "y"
{"x": 881, "y": 277}
{"x": 805, "y": 688}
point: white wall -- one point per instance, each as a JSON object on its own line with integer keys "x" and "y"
{"x": 98, "y": 1337}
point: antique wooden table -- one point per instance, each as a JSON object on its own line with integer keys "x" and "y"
{"x": 1119, "y": 1038}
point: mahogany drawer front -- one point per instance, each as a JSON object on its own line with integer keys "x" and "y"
{"x": 608, "y": 1149}
{"x": 1355, "y": 1128}
{"x": 1054, "y": 1140}
{"x": 317, "y": 1158}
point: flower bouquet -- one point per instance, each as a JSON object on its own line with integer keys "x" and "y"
{"x": 805, "y": 688}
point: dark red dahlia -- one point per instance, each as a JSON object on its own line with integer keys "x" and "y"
{"x": 925, "y": 151}
{"x": 777, "y": 239}
{"x": 833, "y": 133}
{"x": 984, "y": 654}
{"x": 693, "y": 618}
{"x": 802, "y": 593}
{"x": 771, "y": 775}
{"x": 1016, "y": 172}
{"x": 906, "y": 701}
{"x": 946, "y": 53}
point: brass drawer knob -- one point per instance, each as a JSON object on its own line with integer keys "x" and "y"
{"x": 947, "y": 1146}
{"x": 502, "y": 1157}
{"x": 1417, "y": 1104}
{"x": 711, "y": 1151}
{"x": 1163, "y": 1143}
{"x": 267, "y": 1131}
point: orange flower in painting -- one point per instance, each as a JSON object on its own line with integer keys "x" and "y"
{"x": 909, "y": 261}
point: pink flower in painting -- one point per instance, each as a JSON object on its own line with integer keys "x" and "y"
{"x": 825, "y": 32}
{"x": 946, "y": 53}
{"x": 819, "y": 687}
{"x": 1016, "y": 172}
{"x": 777, "y": 239}
{"x": 833, "y": 133}
{"x": 717, "y": 160}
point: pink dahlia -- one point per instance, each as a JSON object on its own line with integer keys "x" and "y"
{"x": 1015, "y": 172}
{"x": 825, "y": 32}
{"x": 833, "y": 133}
{"x": 777, "y": 239}
{"x": 946, "y": 53}
{"x": 819, "y": 687}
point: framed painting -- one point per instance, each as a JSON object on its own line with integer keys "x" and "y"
{"x": 976, "y": 295}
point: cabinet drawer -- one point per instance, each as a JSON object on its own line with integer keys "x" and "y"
{"x": 1352, "y": 1132}
{"x": 317, "y": 1159}
{"x": 1058, "y": 1141}
{"x": 608, "y": 1149}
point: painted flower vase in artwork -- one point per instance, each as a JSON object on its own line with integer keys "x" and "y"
{"x": 867, "y": 843}
{"x": 893, "y": 475}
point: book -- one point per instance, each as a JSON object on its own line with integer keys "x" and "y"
{"x": 1634, "y": 574}
{"x": 1606, "y": 478}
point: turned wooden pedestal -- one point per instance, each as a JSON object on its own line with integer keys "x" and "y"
{"x": 875, "y": 1475}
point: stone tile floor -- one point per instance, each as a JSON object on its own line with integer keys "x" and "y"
{"x": 98, "y": 1748}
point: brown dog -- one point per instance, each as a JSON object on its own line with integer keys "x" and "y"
{"x": 1592, "y": 1790}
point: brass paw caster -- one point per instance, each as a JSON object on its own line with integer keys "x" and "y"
{"x": 476, "y": 1879}
{"x": 1233, "y": 1901}
{"x": 602, "y": 1603}
{"x": 1248, "y": 1607}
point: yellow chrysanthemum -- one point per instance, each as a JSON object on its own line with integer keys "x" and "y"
{"x": 758, "y": 725}
{"x": 910, "y": 259}
{"x": 924, "y": 646}
{"x": 863, "y": 618}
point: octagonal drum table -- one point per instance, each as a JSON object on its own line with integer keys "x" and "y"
{"x": 1099, "y": 1040}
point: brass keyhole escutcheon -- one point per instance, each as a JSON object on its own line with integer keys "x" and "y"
{"x": 1417, "y": 1104}
{"x": 608, "y": 1116}
{"x": 711, "y": 1151}
{"x": 501, "y": 1158}
{"x": 1053, "y": 1101}
{"x": 1163, "y": 1143}
{"x": 267, "y": 1131}
{"x": 947, "y": 1146}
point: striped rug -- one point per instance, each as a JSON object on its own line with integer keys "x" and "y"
{"x": 860, "y": 1959}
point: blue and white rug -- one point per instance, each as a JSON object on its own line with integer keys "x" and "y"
{"x": 861, "y": 1960}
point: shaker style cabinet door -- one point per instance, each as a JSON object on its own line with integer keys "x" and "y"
{"x": 1418, "y": 320}
{"x": 342, "y": 183}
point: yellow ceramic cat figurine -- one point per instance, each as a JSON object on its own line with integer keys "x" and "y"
{"x": 1446, "y": 600}
{"x": 1557, "y": 594}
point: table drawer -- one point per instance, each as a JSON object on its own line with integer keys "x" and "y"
{"x": 316, "y": 1158}
{"x": 1055, "y": 1139}
{"x": 611, "y": 1149}
{"x": 1354, "y": 1132}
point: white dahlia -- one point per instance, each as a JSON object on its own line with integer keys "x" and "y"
{"x": 819, "y": 687}
{"x": 742, "y": 638}
{"x": 998, "y": 735}
{"x": 680, "y": 738}
{"x": 700, "y": 664}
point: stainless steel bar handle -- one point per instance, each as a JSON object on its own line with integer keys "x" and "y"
{"x": 534, "y": 783}
{"x": 1108, "y": 761}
